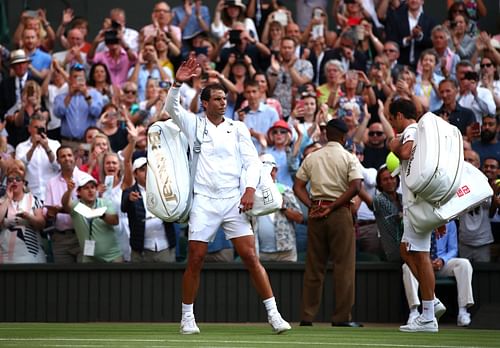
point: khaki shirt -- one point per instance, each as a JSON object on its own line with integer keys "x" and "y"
{"x": 329, "y": 171}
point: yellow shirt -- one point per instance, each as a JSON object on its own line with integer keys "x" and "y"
{"x": 329, "y": 171}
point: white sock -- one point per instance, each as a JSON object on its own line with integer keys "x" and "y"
{"x": 428, "y": 310}
{"x": 187, "y": 309}
{"x": 270, "y": 305}
{"x": 462, "y": 310}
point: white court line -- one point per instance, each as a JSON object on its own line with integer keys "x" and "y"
{"x": 187, "y": 341}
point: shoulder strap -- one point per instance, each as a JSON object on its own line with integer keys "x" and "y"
{"x": 196, "y": 152}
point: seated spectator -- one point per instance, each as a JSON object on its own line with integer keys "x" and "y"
{"x": 162, "y": 22}
{"x": 65, "y": 247}
{"x": 452, "y": 112}
{"x": 405, "y": 87}
{"x": 227, "y": 13}
{"x": 474, "y": 232}
{"x": 488, "y": 145}
{"x": 54, "y": 84}
{"x": 118, "y": 57}
{"x": 100, "y": 79}
{"x": 276, "y": 232}
{"x": 149, "y": 67}
{"x": 257, "y": 116}
{"x": 39, "y": 23}
{"x": 38, "y": 155}
{"x": 68, "y": 22}
{"x": 478, "y": 99}
{"x": 151, "y": 239}
{"x": 40, "y": 60}
{"x": 21, "y": 220}
{"x": 474, "y": 8}
{"x": 446, "y": 263}
{"x": 391, "y": 50}
{"x": 285, "y": 155}
{"x": 192, "y": 18}
{"x": 166, "y": 51}
{"x": 114, "y": 125}
{"x": 96, "y": 235}
{"x": 490, "y": 79}
{"x": 73, "y": 54}
{"x": 115, "y": 175}
{"x": 117, "y": 20}
{"x": 426, "y": 86}
{"x": 458, "y": 8}
{"x": 79, "y": 108}
{"x": 388, "y": 211}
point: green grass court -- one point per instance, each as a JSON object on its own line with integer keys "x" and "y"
{"x": 111, "y": 335}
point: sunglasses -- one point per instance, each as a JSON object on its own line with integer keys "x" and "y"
{"x": 11, "y": 179}
{"x": 308, "y": 94}
{"x": 389, "y": 50}
{"x": 129, "y": 91}
{"x": 374, "y": 133}
{"x": 77, "y": 67}
{"x": 279, "y": 131}
{"x": 487, "y": 65}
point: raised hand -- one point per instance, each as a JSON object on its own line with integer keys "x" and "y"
{"x": 187, "y": 70}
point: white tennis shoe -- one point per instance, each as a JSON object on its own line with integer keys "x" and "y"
{"x": 278, "y": 323}
{"x": 188, "y": 325}
{"x": 420, "y": 325}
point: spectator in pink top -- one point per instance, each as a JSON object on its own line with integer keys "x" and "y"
{"x": 119, "y": 57}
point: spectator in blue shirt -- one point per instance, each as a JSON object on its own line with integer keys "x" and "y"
{"x": 193, "y": 18}
{"x": 40, "y": 61}
{"x": 79, "y": 108}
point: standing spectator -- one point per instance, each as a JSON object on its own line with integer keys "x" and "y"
{"x": 40, "y": 61}
{"x": 162, "y": 22}
{"x": 21, "y": 220}
{"x": 73, "y": 54}
{"x": 488, "y": 145}
{"x": 272, "y": 35}
{"x": 258, "y": 116}
{"x": 54, "y": 84}
{"x": 335, "y": 178}
{"x": 100, "y": 79}
{"x": 446, "y": 263}
{"x": 414, "y": 246}
{"x": 166, "y": 52}
{"x": 117, "y": 21}
{"x": 447, "y": 60}
{"x": 410, "y": 27}
{"x": 119, "y": 57}
{"x": 147, "y": 66}
{"x": 375, "y": 151}
{"x": 261, "y": 79}
{"x": 276, "y": 231}
{"x": 232, "y": 140}
{"x": 478, "y": 99}
{"x": 94, "y": 234}
{"x": 388, "y": 210}
{"x": 318, "y": 27}
{"x": 330, "y": 91}
{"x": 490, "y": 78}
{"x": 38, "y": 22}
{"x": 227, "y": 13}
{"x": 451, "y": 111}
{"x": 426, "y": 86}
{"x": 38, "y": 155}
{"x": 464, "y": 45}
{"x": 192, "y": 18}
{"x": 287, "y": 72}
{"x": 79, "y": 108}
{"x": 391, "y": 50}
{"x": 65, "y": 247}
{"x": 151, "y": 239}
{"x": 114, "y": 126}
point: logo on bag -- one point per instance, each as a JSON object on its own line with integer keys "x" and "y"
{"x": 154, "y": 140}
{"x": 150, "y": 200}
{"x": 267, "y": 196}
{"x": 462, "y": 191}
{"x": 410, "y": 161}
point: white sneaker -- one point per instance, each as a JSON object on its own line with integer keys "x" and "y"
{"x": 412, "y": 317}
{"x": 278, "y": 323}
{"x": 188, "y": 325}
{"x": 420, "y": 325}
{"x": 463, "y": 319}
{"x": 439, "y": 308}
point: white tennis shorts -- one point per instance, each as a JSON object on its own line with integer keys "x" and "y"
{"x": 416, "y": 241}
{"x": 208, "y": 214}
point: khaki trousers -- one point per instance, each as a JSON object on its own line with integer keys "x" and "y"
{"x": 328, "y": 238}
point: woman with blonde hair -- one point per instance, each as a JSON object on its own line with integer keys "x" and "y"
{"x": 21, "y": 220}
{"x": 100, "y": 144}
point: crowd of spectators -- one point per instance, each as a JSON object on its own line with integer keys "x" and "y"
{"x": 74, "y": 120}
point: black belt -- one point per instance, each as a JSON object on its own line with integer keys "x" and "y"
{"x": 78, "y": 140}
{"x": 366, "y": 222}
{"x": 65, "y": 231}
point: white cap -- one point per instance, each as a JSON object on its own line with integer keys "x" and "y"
{"x": 267, "y": 158}
{"x": 84, "y": 180}
{"x": 139, "y": 162}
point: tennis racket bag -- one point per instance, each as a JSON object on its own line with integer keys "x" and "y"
{"x": 169, "y": 193}
{"x": 473, "y": 190}
{"x": 435, "y": 166}
{"x": 267, "y": 198}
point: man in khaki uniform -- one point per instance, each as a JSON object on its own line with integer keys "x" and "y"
{"x": 335, "y": 177}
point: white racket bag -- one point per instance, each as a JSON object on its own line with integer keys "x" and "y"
{"x": 267, "y": 198}
{"x": 435, "y": 167}
{"x": 169, "y": 193}
{"x": 473, "y": 190}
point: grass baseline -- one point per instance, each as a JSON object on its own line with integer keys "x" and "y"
{"x": 112, "y": 335}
